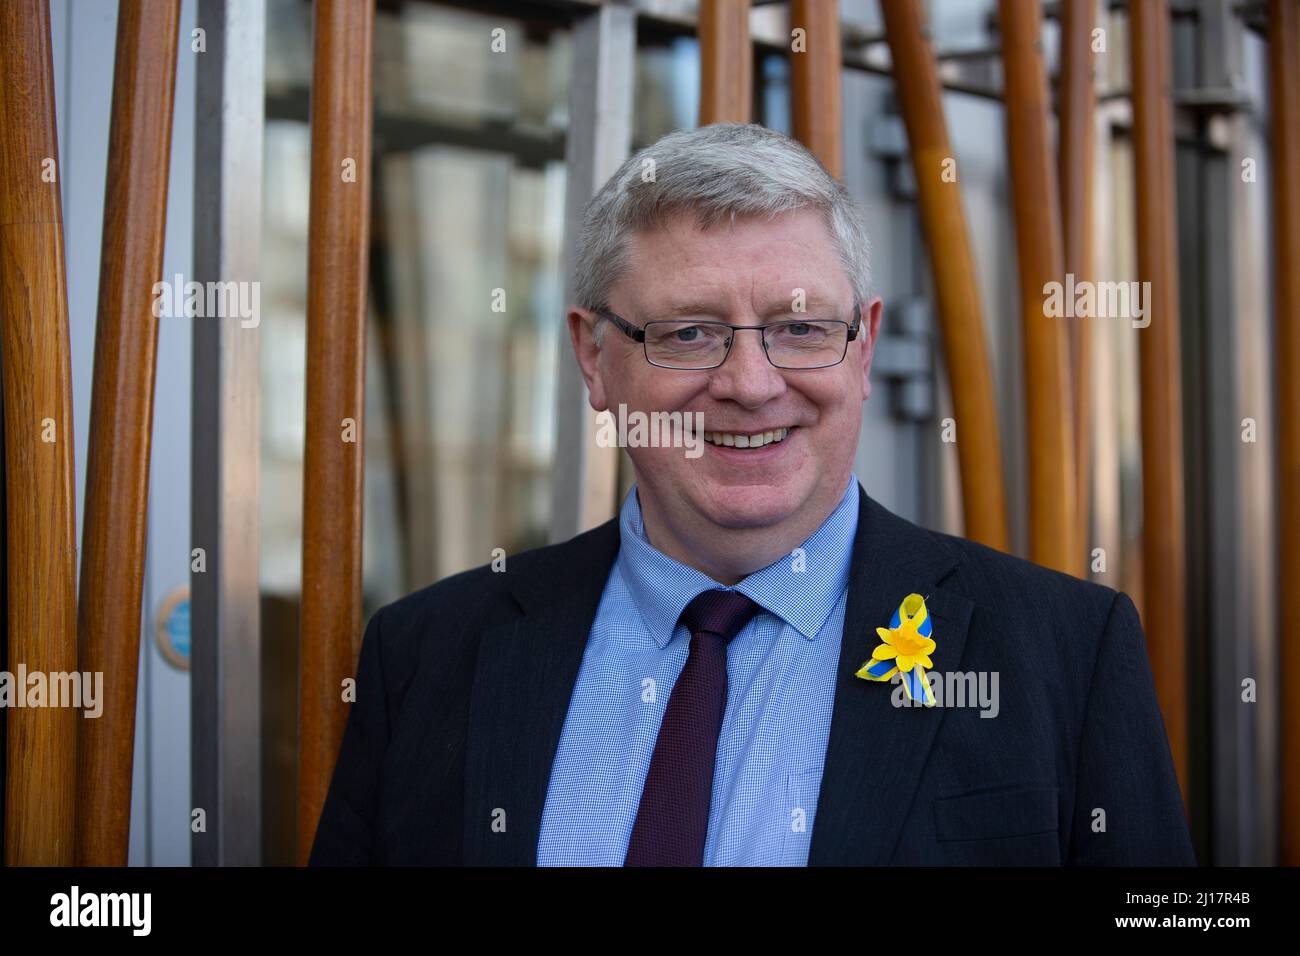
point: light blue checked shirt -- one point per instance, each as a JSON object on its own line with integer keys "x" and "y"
{"x": 780, "y": 691}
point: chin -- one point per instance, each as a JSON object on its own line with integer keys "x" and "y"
{"x": 751, "y": 507}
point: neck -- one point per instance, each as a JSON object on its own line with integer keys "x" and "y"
{"x": 728, "y": 555}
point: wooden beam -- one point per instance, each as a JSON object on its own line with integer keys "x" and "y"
{"x": 1076, "y": 106}
{"x": 121, "y": 418}
{"x": 726, "y": 62}
{"x": 816, "y": 59}
{"x": 40, "y": 783}
{"x": 1049, "y": 421}
{"x": 916, "y": 84}
{"x": 333, "y": 480}
{"x": 1163, "y": 531}
{"x": 1284, "y": 100}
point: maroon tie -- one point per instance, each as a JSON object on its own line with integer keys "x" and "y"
{"x": 673, "y": 818}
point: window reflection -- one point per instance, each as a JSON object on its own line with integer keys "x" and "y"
{"x": 465, "y": 313}
{"x": 465, "y": 299}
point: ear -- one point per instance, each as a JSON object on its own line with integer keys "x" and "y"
{"x": 581, "y": 323}
{"x": 867, "y": 336}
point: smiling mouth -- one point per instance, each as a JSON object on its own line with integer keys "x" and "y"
{"x": 747, "y": 440}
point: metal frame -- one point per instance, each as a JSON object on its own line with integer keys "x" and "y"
{"x": 600, "y": 136}
{"x": 1238, "y": 629}
{"x": 225, "y": 717}
{"x": 637, "y": 334}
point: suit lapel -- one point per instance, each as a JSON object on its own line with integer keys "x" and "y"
{"x": 876, "y": 751}
{"x": 523, "y": 682}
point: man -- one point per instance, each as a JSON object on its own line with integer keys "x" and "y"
{"x": 680, "y": 686}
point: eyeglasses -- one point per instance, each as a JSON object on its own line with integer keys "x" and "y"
{"x": 691, "y": 345}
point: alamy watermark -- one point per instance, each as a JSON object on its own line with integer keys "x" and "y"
{"x": 955, "y": 689}
{"x": 1098, "y": 300}
{"x": 637, "y": 429}
{"x": 80, "y": 690}
{"x": 211, "y": 300}
{"x": 130, "y": 910}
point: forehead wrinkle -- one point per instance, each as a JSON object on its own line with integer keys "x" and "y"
{"x": 661, "y": 297}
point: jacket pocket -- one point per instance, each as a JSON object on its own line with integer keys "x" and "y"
{"x": 996, "y": 814}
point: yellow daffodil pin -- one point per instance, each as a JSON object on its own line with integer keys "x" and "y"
{"x": 906, "y": 650}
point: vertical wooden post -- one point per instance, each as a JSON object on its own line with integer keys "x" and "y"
{"x": 916, "y": 82}
{"x": 1163, "y": 532}
{"x": 726, "y": 62}
{"x": 1049, "y": 419}
{"x": 815, "y": 81}
{"x": 121, "y": 418}
{"x": 338, "y": 251}
{"x": 40, "y": 784}
{"x": 1077, "y": 102}
{"x": 1284, "y": 102}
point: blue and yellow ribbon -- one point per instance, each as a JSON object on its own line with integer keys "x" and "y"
{"x": 906, "y": 649}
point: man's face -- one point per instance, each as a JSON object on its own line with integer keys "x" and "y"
{"x": 743, "y": 273}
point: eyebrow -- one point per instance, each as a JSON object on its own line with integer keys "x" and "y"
{"x": 812, "y": 303}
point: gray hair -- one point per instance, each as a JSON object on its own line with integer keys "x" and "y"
{"x": 717, "y": 171}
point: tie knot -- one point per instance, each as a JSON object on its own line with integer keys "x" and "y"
{"x": 719, "y": 612}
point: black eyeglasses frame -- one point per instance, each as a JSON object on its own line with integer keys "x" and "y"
{"x": 637, "y": 334}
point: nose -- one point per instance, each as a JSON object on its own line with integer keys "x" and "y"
{"x": 747, "y": 377}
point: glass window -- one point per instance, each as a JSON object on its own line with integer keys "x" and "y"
{"x": 465, "y": 316}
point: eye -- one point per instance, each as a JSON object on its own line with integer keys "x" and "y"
{"x": 801, "y": 333}
{"x": 696, "y": 334}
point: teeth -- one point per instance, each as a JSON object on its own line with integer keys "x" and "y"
{"x": 735, "y": 440}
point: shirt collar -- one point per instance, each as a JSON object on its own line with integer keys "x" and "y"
{"x": 801, "y": 588}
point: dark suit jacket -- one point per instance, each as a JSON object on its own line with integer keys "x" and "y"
{"x": 463, "y": 688}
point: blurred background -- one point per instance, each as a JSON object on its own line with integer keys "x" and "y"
{"x": 464, "y": 446}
